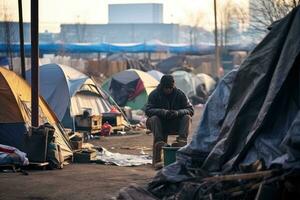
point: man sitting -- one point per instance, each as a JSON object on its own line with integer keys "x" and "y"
{"x": 168, "y": 110}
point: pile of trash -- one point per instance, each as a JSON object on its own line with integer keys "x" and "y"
{"x": 247, "y": 145}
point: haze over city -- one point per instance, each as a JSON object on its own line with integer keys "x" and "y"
{"x": 53, "y": 13}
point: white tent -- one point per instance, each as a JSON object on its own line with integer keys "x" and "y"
{"x": 186, "y": 82}
{"x": 208, "y": 81}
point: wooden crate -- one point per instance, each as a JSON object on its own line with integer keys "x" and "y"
{"x": 114, "y": 119}
{"x": 84, "y": 156}
{"x": 92, "y": 123}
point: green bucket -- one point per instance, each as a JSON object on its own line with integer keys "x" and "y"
{"x": 169, "y": 154}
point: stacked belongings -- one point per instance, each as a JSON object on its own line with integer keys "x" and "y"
{"x": 15, "y": 119}
{"x": 253, "y": 150}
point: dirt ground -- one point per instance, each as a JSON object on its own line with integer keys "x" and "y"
{"x": 85, "y": 181}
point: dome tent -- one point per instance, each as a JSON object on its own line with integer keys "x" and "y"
{"x": 15, "y": 113}
{"x": 155, "y": 74}
{"x": 70, "y": 92}
{"x": 208, "y": 81}
{"x": 186, "y": 82}
{"x": 130, "y": 88}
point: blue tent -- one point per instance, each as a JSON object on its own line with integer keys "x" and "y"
{"x": 70, "y": 92}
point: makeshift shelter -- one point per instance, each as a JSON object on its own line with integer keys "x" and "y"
{"x": 15, "y": 113}
{"x": 130, "y": 88}
{"x": 255, "y": 127}
{"x": 156, "y": 74}
{"x": 118, "y": 62}
{"x": 70, "y": 92}
{"x": 172, "y": 63}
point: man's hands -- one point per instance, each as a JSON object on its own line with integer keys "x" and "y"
{"x": 171, "y": 114}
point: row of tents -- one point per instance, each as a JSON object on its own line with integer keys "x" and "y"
{"x": 67, "y": 93}
{"x": 15, "y": 114}
{"x": 70, "y": 92}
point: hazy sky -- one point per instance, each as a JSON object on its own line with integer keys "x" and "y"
{"x": 54, "y": 12}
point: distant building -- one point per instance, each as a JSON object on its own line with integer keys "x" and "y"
{"x": 48, "y": 37}
{"x": 133, "y": 33}
{"x": 9, "y": 32}
{"x": 135, "y": 13}
{"x": 133, "y": 23}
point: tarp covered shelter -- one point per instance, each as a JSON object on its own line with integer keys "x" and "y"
{"x": 130, "y": 88}
{"x": 70, "y": 92}
{"x": 259, "y": 119}
{"x": 129, "y": 62}
{"x": 15, "y": 113}
{"x": 172, "y": 63}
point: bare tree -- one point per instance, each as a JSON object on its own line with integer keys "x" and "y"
{"x": 9, "y": 35}
{"x": 80, "y": 30}
{"x": 230, "y": 16}
{"x": 264, "y": 12}
{"x": 196, "y": 19}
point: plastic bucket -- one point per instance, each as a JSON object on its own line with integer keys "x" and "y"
{"x": 170, "y": 155}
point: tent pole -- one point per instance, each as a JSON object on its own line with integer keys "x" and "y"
{"x": 74, "y": 129}
{"x": 35, "y": 63}
{"x": 217, "y": 52}
{"x": 21, "y": 35}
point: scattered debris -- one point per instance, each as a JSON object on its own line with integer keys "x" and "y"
{"x": 124, "y": 160}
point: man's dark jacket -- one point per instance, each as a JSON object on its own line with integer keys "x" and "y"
{"x": 159, "y": 103}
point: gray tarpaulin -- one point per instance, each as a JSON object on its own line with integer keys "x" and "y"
{"x": 261, "y": 120}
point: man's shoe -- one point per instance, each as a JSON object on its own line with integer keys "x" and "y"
{"x": 180, "y": 142}
{"x": 158, "y": 166}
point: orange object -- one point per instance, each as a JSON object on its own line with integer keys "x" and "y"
{"x": 114, "y": 110}
{"x": 106, "y": 129}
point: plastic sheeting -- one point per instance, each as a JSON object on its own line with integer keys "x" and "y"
{"x": 262, "y": 112}
{"x": 49, "y": 48}
{"x": 261, "y": 120}
{"x": 123, "y": 160}
{"x": 209, "y": 128}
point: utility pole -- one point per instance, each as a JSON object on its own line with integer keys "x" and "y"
{"x": 35, "y": 63}
{"x": 21, "y": 35}
{"x": 217, "y": 53}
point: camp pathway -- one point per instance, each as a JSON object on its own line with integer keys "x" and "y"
{"x": 85, "y": 181}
